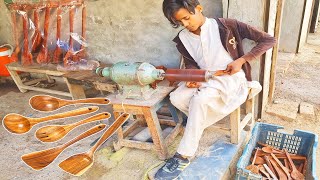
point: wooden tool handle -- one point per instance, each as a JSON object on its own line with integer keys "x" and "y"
{"x": 110, "y": 131}
{"x": 26, "y": 56}
{"x": 104, "y": 115}
{"x": 255, "y": 156}
{"x": 281, "y": 165}
{"x": 57, "y": 53}
{"x": 266, "y": 158}
{"x": 271, "y": 173}
{"x": 104, "y": 101}
{"x": 89, "y": 132}
{"x": 71, "y": 21}
{"x": 290, "y": 161}
{"x": 84, "y": 21}
{"x": 76, "y": 112}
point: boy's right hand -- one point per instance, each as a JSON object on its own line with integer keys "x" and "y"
{"x": 193, "y": 84}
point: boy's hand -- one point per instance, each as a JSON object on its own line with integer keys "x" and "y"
{"x": 193, "y": 84}
{"x": 235, "y": 66}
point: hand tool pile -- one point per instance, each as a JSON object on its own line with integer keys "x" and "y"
{"x": 38, "y": 47}
{"x": 272, "y": 163}
{"x": 76, "y": 164}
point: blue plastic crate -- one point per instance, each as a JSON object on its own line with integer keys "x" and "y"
{"x": 300, "y": 142}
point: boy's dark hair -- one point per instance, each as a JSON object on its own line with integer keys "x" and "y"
{"x": 170, "y": 7}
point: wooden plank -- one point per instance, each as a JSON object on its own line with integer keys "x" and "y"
{"x": 16, "y": 78}
{"x": 50, "y": 91}
{"x": 268, "y": 56}
{"x": 167, "y": 122}
{"x": 136, "y": 144}
{"x": 76, "y": 91}
{"x": 131, "y": 128}
{"x": 173, "y": 134}
{"x": 235, "y": 126}
{"x": 275, "y": 48}
{"x": 161, "y": 93}
{"x": 35, "y": 69}
{"x": 245, "y": 121}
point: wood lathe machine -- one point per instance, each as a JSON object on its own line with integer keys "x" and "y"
{"x": 134, "y": 79}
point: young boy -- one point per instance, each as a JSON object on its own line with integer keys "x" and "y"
{"x": 211, "y": 44}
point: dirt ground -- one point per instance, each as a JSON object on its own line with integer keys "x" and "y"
{"x": 300, "y": 83}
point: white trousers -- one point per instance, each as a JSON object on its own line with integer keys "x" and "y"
{"x": 204, "y": 107}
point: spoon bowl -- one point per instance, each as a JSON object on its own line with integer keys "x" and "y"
{"x": 16, "y": 123}
{"x": 77, "y": 164}
{"x": 51, "y": 133}
{"x": 50, "y": 103}
{"x": 46, "y": 103}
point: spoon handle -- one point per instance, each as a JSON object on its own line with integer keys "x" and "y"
{"x": 290, "y": 160}
{"x": 100, "y": 116}
{"x": 77, "y": 112}
{"x": 104, "y": 101}
{"x": 281, "y": 165}
{"x": 110, "y": 131}
{"x": 89, "y": 132}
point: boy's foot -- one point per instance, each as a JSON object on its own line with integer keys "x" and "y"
{"x": 173, "y": 167}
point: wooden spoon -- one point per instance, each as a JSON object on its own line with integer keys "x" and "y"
{"x": 295, "y": 174}
{"x": 40, "y": 159}
{"x": 50, "y": 103}
{"x": 281, "y": 165}
{"x": 281, "y": 174}
{"x": 56, "y": 132}
{"x": 253, "y": 168}
{"x": 15, "y": 54}
{"x": 79, "y": 163}
{"x": 43, "y": 55}
{"x": 26, "y": 58}
{"x": 16, "y": 123}
{"x": 57, "y": 55}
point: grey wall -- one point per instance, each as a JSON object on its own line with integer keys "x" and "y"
{"x": 291, "y": 24}
{"x": 124, "y": 30}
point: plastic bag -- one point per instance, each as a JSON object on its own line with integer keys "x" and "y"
{"x": 49, "y": 32}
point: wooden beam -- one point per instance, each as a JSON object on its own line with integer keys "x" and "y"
{"x": 275, "y": 48}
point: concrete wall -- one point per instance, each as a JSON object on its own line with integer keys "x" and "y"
{"x": 305, "y": 24}
{"x": 125, "y": 30}
{"x": 291, "y": 24}
{"x": 253, "y": 13}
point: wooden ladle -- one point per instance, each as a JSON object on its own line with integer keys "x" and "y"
{"x": 56, "y": 132}
{"x": 16, "y": 123}
{"x": 79, "y": 163}
{"x": 50, "y": 103}
{"x": 40, "y": 159}
{"x": 295, "y": 174}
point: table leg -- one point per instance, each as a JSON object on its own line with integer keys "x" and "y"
{"x": 156, "y": 132}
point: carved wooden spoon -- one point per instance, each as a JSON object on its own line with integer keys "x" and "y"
{"x": 40, "y": 159}
{"x": 56, "y": 132}
{"x": 79, "y": 163}
{"x": 295, "y": 174}
{"x": 50, "y": 103}
{"x": 16, "y": 123}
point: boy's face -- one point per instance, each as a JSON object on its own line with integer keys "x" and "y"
{"x": 192, "y": 22}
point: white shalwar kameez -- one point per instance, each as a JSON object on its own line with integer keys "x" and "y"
{"x": 216, "y": 98}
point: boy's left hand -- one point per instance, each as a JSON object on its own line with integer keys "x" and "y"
{"x": 235, "y": 66}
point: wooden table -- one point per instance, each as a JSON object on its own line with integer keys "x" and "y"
{"x": 145, "y": 112}
{"x": 75, "y": 91}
